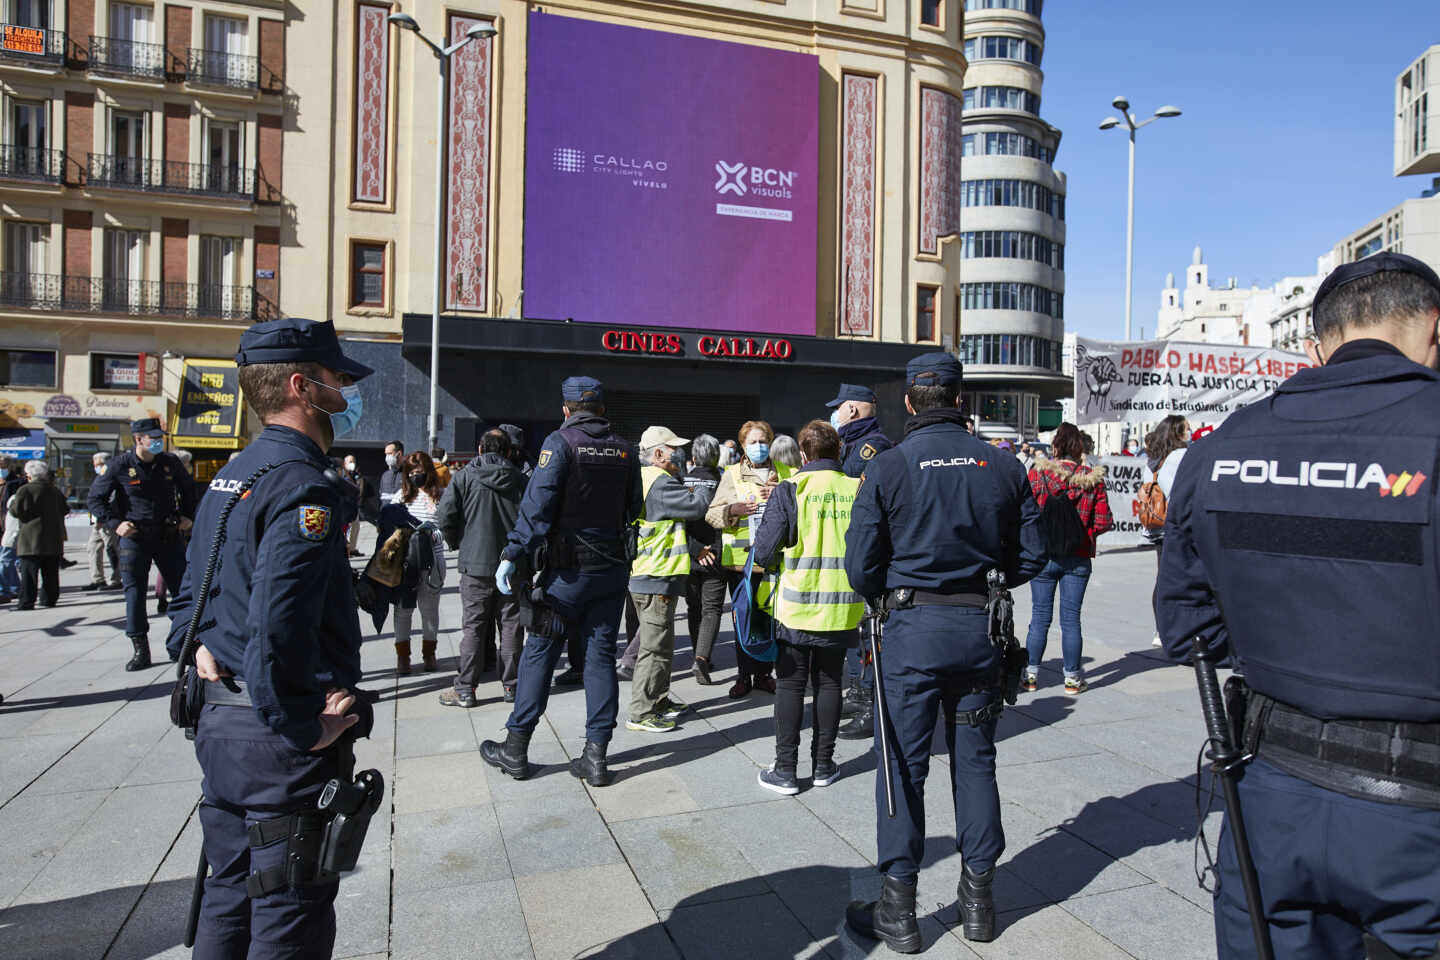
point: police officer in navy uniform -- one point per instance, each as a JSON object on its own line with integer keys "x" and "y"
{"x": 147, "y": 498}
{"x": 1302, "y": 538}
{"x": 280, "y": 644}
{"x": 580, "y": 502}
{"x": 852, "y": 415}
{"x": 933, "y": 517}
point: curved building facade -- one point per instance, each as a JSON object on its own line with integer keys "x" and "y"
{"x": 1012, "y": 225}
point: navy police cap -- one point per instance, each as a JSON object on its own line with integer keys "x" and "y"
{"x": 933, "y": 370}
{"x": 852, "y": 391}
{"x": 1378, "y": 263}
{"x": 150, "y": 426}
{"x": 296, "y": 340}
{"x": 582, "y": 390}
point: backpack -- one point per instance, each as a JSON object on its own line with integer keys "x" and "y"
{"x": 1060, "y": 521}
{"x": 1150, "y": 506}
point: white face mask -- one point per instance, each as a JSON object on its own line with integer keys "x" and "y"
{"x": 391, "y": 460}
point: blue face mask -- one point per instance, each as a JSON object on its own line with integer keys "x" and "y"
{"x": 345, "y": 420}
{"x": 156, "y": 445}
{"x": 835, "y": 420}
{"x": 758, "y": 453}
{"x": 4, "y": 472}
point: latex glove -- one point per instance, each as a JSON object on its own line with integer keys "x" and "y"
{"x": 502, "y": 576}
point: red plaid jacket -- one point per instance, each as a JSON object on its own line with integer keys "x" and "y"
{"x": 1085, "y": 486}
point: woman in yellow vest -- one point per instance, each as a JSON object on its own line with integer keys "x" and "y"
{"x": 744, "y": 489}
{"x": 817, "y": 613}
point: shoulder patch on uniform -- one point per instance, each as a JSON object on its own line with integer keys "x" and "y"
{"x": 868, "y": 451}
{"x": 544, "y": 458}
{"x": 132, "y": 471}
{"x": 314, "y": 521}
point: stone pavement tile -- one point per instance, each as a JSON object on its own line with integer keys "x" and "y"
{"x": 25, "y": 758}
{"x": 1149, "y": 921}
{"x": 439, "y": 782}
{"x": 448, "y": 848}
{"x": 418, "y": 695}
{"x": 690, "y": 737}
{"x": 722, "y": 779}
{"x": 362, "y": 908}
{"x": 100, "y": 760}
{"x": 591, "y": 911}
{"x": 1058, "y": 863}
{"x": 172, "y": 760}
{"x": 688, "y": 856}
{"x": 69, "y": 927}
{"x": 554, "y": 831}
{"x": 936, "y": 941}
{"x": 378, "y": 753}
{"x": 549, "y": 771}
{"x": 426, "y": 736}
{"x": 1167, "y": 747}
{"x": 1023, "y": 739}
{"x": 1045, "y": 931}
{"x": 1095, "y": 787}
{"x": 480, "y": 920}
{"x": 35, "y": 828}
{"x": 847, "y": 807}
{"x": 68, "y": 719}
{"x": 637, "y": 795}
{"x": 157, "y": 926}
{"x": 1050, "y": 704}
{"x": 744, "y": 926}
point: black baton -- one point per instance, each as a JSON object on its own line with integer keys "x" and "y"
{"x": 197, "y": 894}
{"x": 1226, "y": 761}
{"x": 882, "y": 720}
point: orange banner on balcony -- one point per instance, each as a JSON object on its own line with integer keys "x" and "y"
{"x": 24, "y": 39}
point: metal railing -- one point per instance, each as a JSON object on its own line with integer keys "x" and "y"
{"x": 31, "y": 44}
{"x": 128, "y": 58}
{"x": 46, "y": 291}
{"x": 169, "y": 176}
{"x": 222, "y": 69}
{"x": 31, "y": 163}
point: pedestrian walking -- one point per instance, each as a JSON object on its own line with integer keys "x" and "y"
{"x": 1164, "y": 449}
{"x": 1074, "y": 511}
{"x": 705, "y": 589}
{"x": 477, "y": 512}
{"x": 419, "y": 494}
{"x": 817, "y": 613}
{"x": 38, "y": 509}
{"x": 393, "y": 476}
{"x": 934, "y": 516}
{"x": 11, "y": 477}
{"x": 369, "y": 503}
{"x": 101, "y": 547}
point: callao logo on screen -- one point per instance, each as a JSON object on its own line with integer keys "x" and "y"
{"x": 647, "y": 172}
{"x": 744, "y": 179}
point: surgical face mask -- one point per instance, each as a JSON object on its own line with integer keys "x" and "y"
{"x": 835, "y": 420}
{"x": 758, "y": 453}
{"x": 342, "y": 421}
{"x": 418, "y": 479}
{"x": 156, "y": 445}
{"x": 391, "y": 460}
{"x": 350, "y": 466}
{"x": 99, "y": 471}
{"x": 4, "y": 472}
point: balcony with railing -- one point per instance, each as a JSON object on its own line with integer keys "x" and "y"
{"x": 32, "y": 45}
{"x": 170, "y": 176}
{"x": 31, "y": 163}
{"x": 52, "y": 292}
{"x": 128, "y": 58}
{"x": 220, "y": 69}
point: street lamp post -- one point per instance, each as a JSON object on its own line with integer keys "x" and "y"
{"x": 1123, "y": 105}
{"x": 442, "y": 54}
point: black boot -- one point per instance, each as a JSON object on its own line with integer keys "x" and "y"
{"x": 141, "y": 660}
{"x": 977, "y": 906}
{"x": 861, "y": 726}
{"x": 508, "y": 757}
{"x": 858, "y": 700}
{"x": 891, "y": 918}
{"x": 590, "y": 766}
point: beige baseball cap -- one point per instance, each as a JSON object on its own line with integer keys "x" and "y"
{"x": 660, "y": 437}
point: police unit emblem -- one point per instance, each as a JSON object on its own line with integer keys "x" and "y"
{"x": 867, "y": 452}
{"x": 544, "y": 458}
{"x": 132, "y": 471}
{"x": 314, "y": 521}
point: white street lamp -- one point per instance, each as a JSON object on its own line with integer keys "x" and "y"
{"x": 442, "y": 54}
{"x": 1123, "y": 105}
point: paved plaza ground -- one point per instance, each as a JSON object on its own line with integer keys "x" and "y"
{"x": 685, "y": 856}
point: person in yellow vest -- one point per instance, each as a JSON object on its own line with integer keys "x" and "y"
{"x": 658, "y": 576}
{"x": 817, "y": 612}
{"x": 744, "y": 489}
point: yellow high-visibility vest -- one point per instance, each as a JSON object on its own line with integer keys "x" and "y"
{"x": 663, "y": 550}
{"x": 735, "y": 540}
{"x": 815, "y": 593}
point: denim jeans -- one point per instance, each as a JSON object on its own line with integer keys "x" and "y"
{"x": 9, "y": 572}
{"x": 1072, "y": 574}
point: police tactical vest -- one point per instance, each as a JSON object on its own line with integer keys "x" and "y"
{"x": 597, "y": 482}
{"x": 815, "y": 593}
{"x": 735, "y": 540}
{"x": 663, "y": 549}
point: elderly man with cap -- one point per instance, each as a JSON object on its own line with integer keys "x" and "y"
{"x": 278, "y": 649}
{"x": 932, "y": 518}
{"x": 575, "y": 531}
{"x": 146, "y": 498}
{"x": 658, "y": 577}
{"x": 1302, "y": 539}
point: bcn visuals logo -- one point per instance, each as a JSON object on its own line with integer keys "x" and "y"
{"x": 745, "y": 178}
{"x": 732, "y": 178}
{"x": 1337, "y": 476}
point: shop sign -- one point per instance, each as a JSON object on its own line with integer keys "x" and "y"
{"x": 149, "y": 373}
{"x": 207, "y": 413}
{"x": 24, "y": 39}
{"x": 61, "y": 405}
{"x": 706, "y": 345}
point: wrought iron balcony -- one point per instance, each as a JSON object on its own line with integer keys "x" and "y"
{"x": 128, "y": 58}
{"x": 170, "y": 176}
{"x": 45, "y": 291}
{"x": 31, "y": 163}
{"x": 32, "y": 44}
{"x": 218, "y": 68}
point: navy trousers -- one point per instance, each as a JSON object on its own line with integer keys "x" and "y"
{"x": 135, "y": 559}
{"x": 251, "y": 774}
{"x": 1332, "y": 869}
{"x": 593, "y": 602}
{"x": 933, "y": 658}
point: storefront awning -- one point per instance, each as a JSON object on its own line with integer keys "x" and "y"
{"x": 22, "y": 444}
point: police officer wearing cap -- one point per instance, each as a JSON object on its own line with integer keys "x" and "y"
{"x": 279, "y": 644}
{"x": 147, "y": 498}
{"x": 1302, "y": 539}
{"x": 578, "y": 508}
{"x": 932, "y": 518}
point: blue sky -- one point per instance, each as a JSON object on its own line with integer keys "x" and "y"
{"x": 1284, "y": 146}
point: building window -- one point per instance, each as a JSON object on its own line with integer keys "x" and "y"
{"x": 28, "y": 368}
{"x": 1027, "y": 297}
{"x": 1374, "y": 245}
{"x": 925, "y": 314}
{"x": 1012, "y": 193}
{"x": 1024, "y": 6}
{"x": 220, "y": 293}
{"x": 30, "y": 13}
{"x": 367, "y": 281}
{"x": 1003, "y": 349}
{"x": 1002, "y": 48}
{"x": 930, "y": 12}
{"x": 129, "y": 148}
{"x": 24, "y": 253}
{"x": 1012, "y": 244}
{"x": 115, "y": 371}
{"x": 130, "y": 36}
{"x": 125, "y": 265}
{"x": 1001, "y": 98}
{"x": 226, "y": 55}
{"x": 222, "y": 157}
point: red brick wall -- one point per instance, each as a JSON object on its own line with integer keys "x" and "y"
{"x": 81, "y": 25}
{"x": 177, "y": 132}
{"x": 272, "y": 56}
{"x": 79, "y": 133}
{"x": 77, "y": 243}
{"x": 177, "y": 36}
{"x": 270, "y": 156}
{"x": 174, "y": 253}
{"x": 267, "y": 257}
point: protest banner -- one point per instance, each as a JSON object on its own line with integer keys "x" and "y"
{"x": 1123, "y": 477}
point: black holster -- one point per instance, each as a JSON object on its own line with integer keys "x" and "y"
{"x": 1000, "y": 614}
{"x": 320, "y": 844}
{"x": 536, "y": 614}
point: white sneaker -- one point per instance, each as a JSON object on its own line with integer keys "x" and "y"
{"x": 1156, "y": 642}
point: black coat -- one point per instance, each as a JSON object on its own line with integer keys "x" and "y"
{"x": 40, "y": 508}
{"x": 478, "y": 510}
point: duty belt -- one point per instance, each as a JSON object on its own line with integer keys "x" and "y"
{"x": 227, "y": 692}
{"x": 903, "y": 598}
{"x": 1386, "y": 760}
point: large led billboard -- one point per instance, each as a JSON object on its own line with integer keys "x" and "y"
{"x": 670, "y": 181}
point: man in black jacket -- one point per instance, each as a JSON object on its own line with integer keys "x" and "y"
{"x": 476, "y": 514}
{"x": 705, "y": 592}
